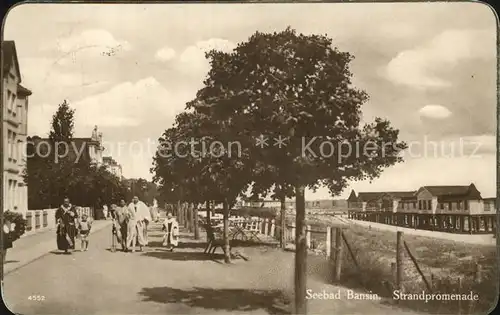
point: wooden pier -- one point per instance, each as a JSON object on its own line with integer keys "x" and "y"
{"x": 451, "y": 223}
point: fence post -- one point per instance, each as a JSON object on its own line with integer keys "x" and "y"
{"x": 308, "y": 236}
{"x": 338, "y": 253}
{"x": 273, "y": 227}
{"x": 394, "y": 273}
{"x": 477, "y": 273}
{"x": 260, "y": 224}
{"x": 328, "y": 242}
{"x": 293, "y": 234}
{"x": 399, "y": 261}
{"x": 332, "y": 243}
{"x": 266, "y": 230}
{"x": 459, "y": 292}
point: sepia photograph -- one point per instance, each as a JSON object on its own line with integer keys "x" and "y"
{"x": 249, "y": 158}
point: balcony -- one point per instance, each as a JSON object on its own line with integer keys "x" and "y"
{"x": 12, "y": 167}
{"x": 11, "y": 119}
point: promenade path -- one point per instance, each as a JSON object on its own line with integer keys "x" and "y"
{"x": 159, "y": 282}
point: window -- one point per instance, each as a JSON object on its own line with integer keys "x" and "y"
{"x": 459, "y": 205}
{"x": 20, "y": 153}
{"x": 420, "y": 205}
{"x": 449, "y": 206}
{"x": 9, "y": 192}
{"x": 13, "y": 104}
{"x": 441, "y": 206}
{"x": 424, "y": 204}
{"x": 9, "y": 144}
{"x": 14, "y": 147}
{"x": 414, "y": 205}
{"x": 466, "y": 204}
{"x": 9, "y": 96}
{"x": 14, "y": 192}
{"x": 429, "y": 204}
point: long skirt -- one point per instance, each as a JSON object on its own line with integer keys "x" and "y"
{"x": 66, "y": 237}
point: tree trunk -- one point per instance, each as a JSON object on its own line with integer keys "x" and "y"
{"x": 195, "y": 223}
{"x": 183, "y": 214}
{"x": 283, "y": 221}
{"x": 300, "y": 251}
{"x": 189, "y": 217}
{"x": 227, "y": 253}
{"x": 178, "y": 212}
{"x": 208, "y": 216}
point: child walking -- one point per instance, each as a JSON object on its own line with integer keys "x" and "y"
{"x": 171, "y": 229}
{"x": 84, "y": 227}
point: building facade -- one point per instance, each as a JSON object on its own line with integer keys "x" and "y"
{"x": 426, "y": 200}
{"x": 81, "y": 149}
{"x": 112, "y": 166}
{"x": 15, "y": 127}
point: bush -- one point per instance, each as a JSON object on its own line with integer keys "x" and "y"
{"x": 18, "y": 220}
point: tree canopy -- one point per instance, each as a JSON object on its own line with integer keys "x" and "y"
{"x": 51, "y": 178}
{"x": 295, "y": 92}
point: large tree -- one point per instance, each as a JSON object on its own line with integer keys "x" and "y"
{"x": 54, "y": 174}
{"x": 298, "y": 87}
{"x": 211, "y": 169}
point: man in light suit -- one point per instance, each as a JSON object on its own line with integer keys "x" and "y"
{"x": 138, "y": 222}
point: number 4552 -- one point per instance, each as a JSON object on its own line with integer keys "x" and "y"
{"x": 36, "y": 298}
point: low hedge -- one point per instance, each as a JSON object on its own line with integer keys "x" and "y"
{"x": 18, "y": 220}
{"x": 269, "y": 213}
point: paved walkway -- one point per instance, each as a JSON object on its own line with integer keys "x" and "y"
{"x": 185, "y": 281}
{"x": 34, "y": 246}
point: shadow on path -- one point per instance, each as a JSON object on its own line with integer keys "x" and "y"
{"x": 11, "y": 261}
{"x": 191, "y": 245}
{"x": 184, "y": 256}
{"x": 203, "y": 244}
{"x": 57, "y": 252}
{"x": 238, "y": 300}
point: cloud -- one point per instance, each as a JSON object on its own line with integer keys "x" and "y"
{"x": 420, "y": 67}
{"x": 192, "y": 60}
{"x": 38, "y": 72}
{"x": 435, "y": 112}
{"x": 165, "y": 54}
{"x": 128, "y": 105}
{"x": 96, "y": 40}
{"x": 39, "y": 119}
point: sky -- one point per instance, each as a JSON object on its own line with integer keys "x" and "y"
{"x": 130, "y": 68}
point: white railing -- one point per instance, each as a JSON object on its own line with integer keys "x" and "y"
{"x": 44, "y": 219}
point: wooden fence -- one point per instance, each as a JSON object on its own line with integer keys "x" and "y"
{"x": 338, "y": 249}
{"x": 442, "y": 222}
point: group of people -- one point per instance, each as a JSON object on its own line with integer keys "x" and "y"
{"x": 130, "y": 223}
{"x": 69, "y": 226}
{"x": 130, "y": 226}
